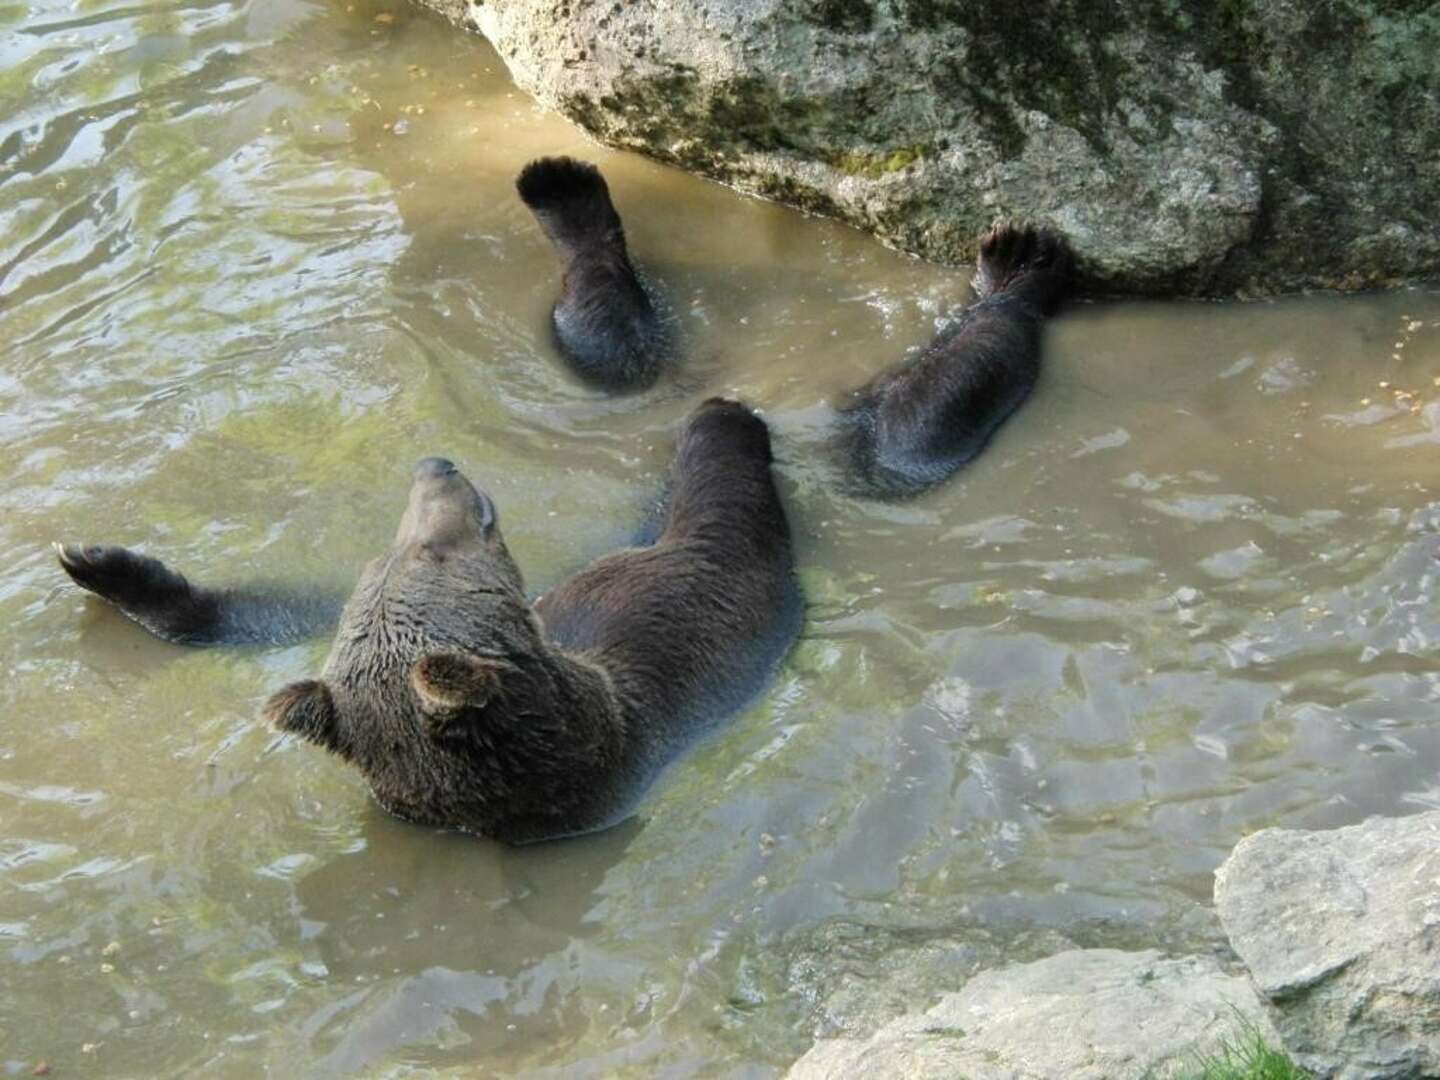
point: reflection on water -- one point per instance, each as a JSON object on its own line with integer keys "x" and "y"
{"x": 257, "y": 257}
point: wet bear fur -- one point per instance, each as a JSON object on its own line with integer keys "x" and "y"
{"x": 914, "y": 425}
{"x": 605, "y": 322}
{"x": 465, "y": 706}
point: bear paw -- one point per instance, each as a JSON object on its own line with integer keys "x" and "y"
{"x": 127, "y": 579}
{"x": 1014, "y": 257}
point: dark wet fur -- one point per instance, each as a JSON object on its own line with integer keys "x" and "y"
{"x": 606, "y": 322}
{"x": 720, "y": 569}
{"x": 913, "y": 426}
{"x": 170, "y": 607}
{"x": 465, "y": 707}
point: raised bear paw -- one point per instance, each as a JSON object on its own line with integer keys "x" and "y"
{"x": 727, "y": 420}
{"x": 124, "y": 577}
{"x": 144, "y": 589}
{"x": 555, "y": 182}
{"x": 1023, "y": 259}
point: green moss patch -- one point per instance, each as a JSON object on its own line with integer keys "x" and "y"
{"x": 878, "y": 163}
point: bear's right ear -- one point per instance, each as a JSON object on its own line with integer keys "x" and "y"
{"x": 307, "y": 709}
{"x": 448, "y": 683}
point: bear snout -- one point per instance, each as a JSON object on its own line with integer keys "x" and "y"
{"x": 434, "y": 468}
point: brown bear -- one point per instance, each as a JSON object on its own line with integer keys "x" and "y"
{"x": 914, "y": 425}
{"x": 464, "y": 705}
{"x": 606, "y": 321}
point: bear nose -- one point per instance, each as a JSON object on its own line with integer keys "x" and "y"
{"x": 434, "y": 467}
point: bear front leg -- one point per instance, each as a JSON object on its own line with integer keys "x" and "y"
{"x": 171, "y": 608}
{"x": 145, "y": 590}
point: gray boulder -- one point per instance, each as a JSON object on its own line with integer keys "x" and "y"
{"x": 1182, "y": 145}
{"x": 1341, "y": 933}
{"x": 1087, "y": 1014}
{"x": 854, "y": 978}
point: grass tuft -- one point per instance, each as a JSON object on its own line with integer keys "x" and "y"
{"x": 1246, "y": 1057}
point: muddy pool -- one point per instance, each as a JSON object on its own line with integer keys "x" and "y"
{"x": 259, "y": 256}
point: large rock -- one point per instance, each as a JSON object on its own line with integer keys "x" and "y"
{"x": 1088, "y": 1014}
{"x": 1210, "y": 148}
{"x": 1341, "y": 933}
{"x": 854, "y": 978}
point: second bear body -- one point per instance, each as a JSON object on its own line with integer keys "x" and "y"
{"x": 915, "y": 424}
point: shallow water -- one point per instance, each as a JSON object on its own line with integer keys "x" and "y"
{"x": 256, "y": 258}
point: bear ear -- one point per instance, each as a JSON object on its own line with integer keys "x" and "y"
{"x": 447, "y": 683}
{"x": 307, "y": 709}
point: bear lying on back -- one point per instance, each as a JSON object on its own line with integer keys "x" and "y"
{"x": 462, "y": 704}
{"x": 914, "y": 425}
{"x": 605, "y": 322}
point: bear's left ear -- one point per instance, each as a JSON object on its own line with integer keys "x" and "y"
{"x": 307, "y": 709}
{"x": 448, "y": 683}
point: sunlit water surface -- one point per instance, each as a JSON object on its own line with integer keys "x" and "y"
{"x": 258, "y": 256}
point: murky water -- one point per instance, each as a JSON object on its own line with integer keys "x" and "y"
{"x": 258, "y": 256}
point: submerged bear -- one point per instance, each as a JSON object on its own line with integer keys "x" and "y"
{"x": 462, "y": 704}
{"x": 605, "y": 322}
{"x": 914, "y": 425}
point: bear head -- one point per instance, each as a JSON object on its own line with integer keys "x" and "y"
{"x": 439, "y": 687}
